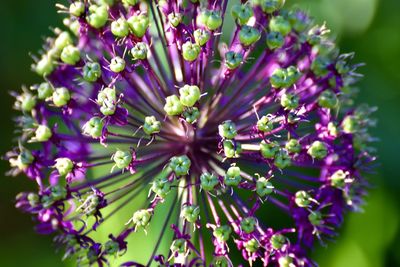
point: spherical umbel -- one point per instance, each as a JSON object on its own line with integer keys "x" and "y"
{"x": 147, "y": 120}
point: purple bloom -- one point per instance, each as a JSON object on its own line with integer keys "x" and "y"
{"x": 225, "y": 122}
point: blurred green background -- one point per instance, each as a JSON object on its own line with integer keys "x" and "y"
{"x": 371, "y": 28}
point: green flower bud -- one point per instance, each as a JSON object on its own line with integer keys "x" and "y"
{"x": 293, "y": 146}
{"x": 45, "y": 66}
{"x": 180, "y": 165}
{"x": 138, "y": 25}
{"x": 189, "y": 95}
{"x": 280, "y": 24}
{"x": 285, "y": 261}
{"x": 289, "y": 101}
{"x": 248, "y": 224}
{"x": 190, "y": 51}
{"x": 70, "y": 55}
{"x": 139, "y": 51}
{"x": 175, "y": 19}
{"x": 227, "y": 130}
{"x": 232, "y": 150}
{"x": 173, "y": 106}
{"x": 315, "y": 218}
{"x": 77, "y": 8}
{"x": 63, "y": 40}
{"x": 201, "y": 36}
{"x": 141, "y": 218}
{"x": 270, "y": 6}
{"x": 91, "y": 71}
{"x": 252, "y": 245}
{"x": 58, "y": 192}
{"x": 74, "y": 26}
{"x": 302, "y": 199}
{"x": 298, "y": 20}
{"x": 120, "y": 27}
{"x": 107, "y": 100}
{"x": 320, "y": 66}
{"x": 342, "y": 67}
{"x": 275, "y": 40}
{"x": 278, "y": 78}
{"x": 53, "y": 53}
{"x": 90, "y": 205}
{"x": 233, "y": 60}
{"x": 264, "y": 187}
{"x": 327, "y": 99}
{"x": 338, "y": 179}
{"x": 190, "y": 213}
{"x": 26, "y": 102}
{"x": 93, "y": 127}
{"x": 161, "y": 187}
{"x": 332, "y": 82}
{"x": 322, "y": 49}
{"x": 292, "y": 118}
{"x": 282, "y": 159}
{"x": 61, "y": 97}
{"x": 24, "y": 159}
{"x": 42, "y": 133}
{"x": 211, "y": 19}
{"x": 249, "y": 35}
{"x": 242, "y": 13}
{"x": 208, "y": 181}
{"x": 122, "y": 158}
{"x": 117, "y": 64}
{"x": 191, "y": 115}
{"x": 202, "y": 17}
{"x": 332, "y": 129}
{"x": 277, "y": 241}
{"x": 46, "y": 201}
{"x": 111, "y": 247}
{"x": 350, "y": 124}
{"x": 98, "y": 16}
{"x": 44, "y": 91}
{"x": 292, "y": 75}
{"x": 151, "y": 125}
{"x": 264, "y": 124}
{"x": 179, "y": 246}
{"x": 318, "y": 150}
{"x": 220, "y": 261}
{"x": 232, "y": 176}
{"x": 33, "y": 199}
{"x": 222, "y": 233}
{"x": 64, "y": 166}
{"x": 268, "y": 150}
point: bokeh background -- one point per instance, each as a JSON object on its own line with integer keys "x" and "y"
{"x": 371, "y": 28}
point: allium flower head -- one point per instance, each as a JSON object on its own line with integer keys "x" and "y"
{"x": 210, "y": 119}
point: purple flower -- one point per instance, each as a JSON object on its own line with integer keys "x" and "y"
{"x": 215, "y": 123}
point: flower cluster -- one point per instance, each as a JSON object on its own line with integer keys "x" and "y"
{"x": 225, "y": 115}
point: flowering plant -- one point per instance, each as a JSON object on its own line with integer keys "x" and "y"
{"x": 166, "y": 105}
